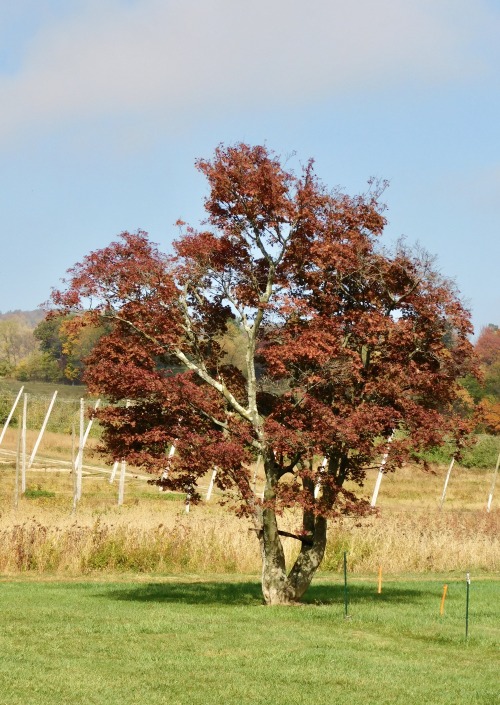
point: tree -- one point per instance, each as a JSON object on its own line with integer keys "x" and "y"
{"x": 16, "y": 342}
{"x": 488, "y": 345}
{"x": 343, "y": 345}
{"x": 63, "y": 347}
{"x": 488, "y": 351}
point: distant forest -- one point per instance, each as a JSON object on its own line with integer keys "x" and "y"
{"x": 35, "y": 349}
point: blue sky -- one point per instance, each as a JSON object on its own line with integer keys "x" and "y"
{"x": 107, "y": 103}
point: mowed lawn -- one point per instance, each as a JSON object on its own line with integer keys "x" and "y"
{"x": 182, "y": 641}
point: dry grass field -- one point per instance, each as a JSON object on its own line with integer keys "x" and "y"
{"x": 152, "y": 533}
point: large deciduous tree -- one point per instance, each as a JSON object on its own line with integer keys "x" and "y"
{"x": 341, "y": 345}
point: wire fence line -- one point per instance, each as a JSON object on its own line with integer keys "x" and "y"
{"x": 65, "y": 416}
{"x": 62, "y": 417}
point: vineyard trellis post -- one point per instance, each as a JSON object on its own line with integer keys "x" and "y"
{"x": 42, "y": 430}
{"x": 447, "y": 479}
{"x": 493, "y": 482}
{"x": 79, "y": 463}
{"x": 73, "y": 467}
{"x": 121, "y": 484}
{"x": 87, "y": 431}
{"x": 11, "y": 414}
{"x": 23, "y": 443}
{"x": 211, "y": 485}
{"x": 381, "y": 471}
{"x": 18, "y": 459}
{"x": 123, "y": 467}
{"x": 113, "y": 472}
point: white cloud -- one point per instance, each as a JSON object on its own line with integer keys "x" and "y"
{"x": 152, "y": 56}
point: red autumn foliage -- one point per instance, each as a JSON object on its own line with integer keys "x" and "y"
{"x": 343, "y": 342}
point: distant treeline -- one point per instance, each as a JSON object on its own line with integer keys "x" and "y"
{"x": 33, "y": 348}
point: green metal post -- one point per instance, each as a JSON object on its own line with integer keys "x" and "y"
{"x": 345, "y": 584}
{"x": 467, "y": 578}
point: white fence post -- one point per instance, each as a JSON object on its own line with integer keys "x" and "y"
{"x": 123, "y": 467}
{"x": 211, "y": 485}
{"x": 42, "y": 430}
{"x": 11, "y": 414}
{"x": 79, "y": 464}
{"x": 86, "y": 434}
{"x": 113, "y": 472}
{"x": 170, "y": 455}
{"x": 446, "y": 483}
{"x": 121, "y": 484}
{"x": 490, "y": 498}
{"x": 23, "y": 444}
{"x": 18, "y": 461}
{"x": 381, "y": 471}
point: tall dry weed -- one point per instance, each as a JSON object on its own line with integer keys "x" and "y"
{"x": 400, "y": 542}
{"x": 175, "y": 545}
{"x": 417, "y": 542}
{"x": 152, "y": 534}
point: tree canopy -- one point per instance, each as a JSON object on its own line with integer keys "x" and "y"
{"x": 343, "y": 345}
{"x": 488, "y": 350}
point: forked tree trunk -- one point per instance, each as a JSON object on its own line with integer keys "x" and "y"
{"x": 278, "y": 587}
{"x": 309, "y": 559}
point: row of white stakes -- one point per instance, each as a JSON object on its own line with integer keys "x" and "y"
{"x": 77, "y": 463}
{"x": 84, "y": 434}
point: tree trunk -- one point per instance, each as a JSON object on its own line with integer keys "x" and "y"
{"x": 309, "y": 559}
{"x": 275, "y": 587}
{"x": 278, "y": 588}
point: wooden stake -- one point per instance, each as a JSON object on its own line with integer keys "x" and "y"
{"x": 443, "y": 598}
{"x": 170, "y": 455}
{"x": 121, "y": 484}
{"x": 42, "y": 430}
{"x": 446, "y": 483}
{"x": 113, "y": 472}
{"x": 379, "y": 587}
{"x": 211, "y": 485}
{"x": 79, "y": 468}
{"x": 73, "y": 469}
{"x": 18, "y": 459}
{"x": 23, "y": 444}
{"x": 11, "y": 414}
{"x": 123, "y": 467}
{"x": 381, "y": 471}
{"x": 86, "y": 434}
{"x": 490, "y": 498}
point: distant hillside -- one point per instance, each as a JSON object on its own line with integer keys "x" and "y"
{"x": 30, "y": 318}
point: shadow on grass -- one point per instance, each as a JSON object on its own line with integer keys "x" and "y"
{"x": 209, "y": 593}
{"x": 249, "y": 593}
{"x": 362, "y": 594}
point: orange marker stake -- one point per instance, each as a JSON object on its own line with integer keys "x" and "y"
{"x": 445, "y": 590}
{"x": 379, "y": 590}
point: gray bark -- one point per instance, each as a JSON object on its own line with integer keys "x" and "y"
{"x": 278, "y": 587}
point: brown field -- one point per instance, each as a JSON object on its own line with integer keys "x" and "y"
{"x": 152, "y": 533}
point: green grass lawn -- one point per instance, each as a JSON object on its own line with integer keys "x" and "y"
{"x": 208, "y": 642}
